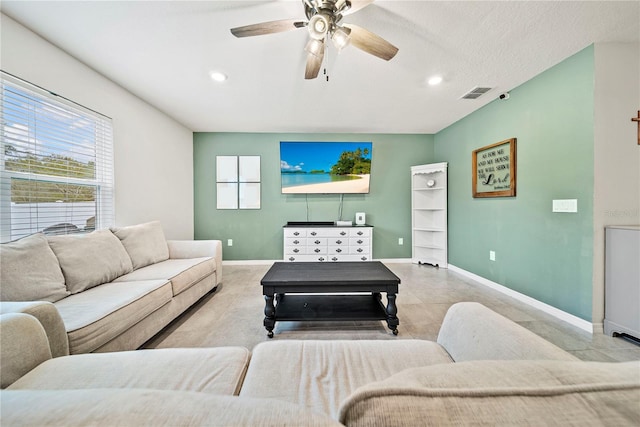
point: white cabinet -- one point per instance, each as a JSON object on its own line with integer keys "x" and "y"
{"x": 327, "y": 243}
{"x": 622, "y": 281}
{"x": 429, "y": 214}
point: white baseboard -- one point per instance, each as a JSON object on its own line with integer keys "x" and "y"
{"x": 269, "y": 262}
{"x": 562, "y": 315}
{"x": 251, "y": 262}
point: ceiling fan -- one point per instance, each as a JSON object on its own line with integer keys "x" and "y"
{"x": 323, "y": 23}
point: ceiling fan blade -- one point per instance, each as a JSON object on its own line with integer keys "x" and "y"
{"x": 314, "y": 62}
{"x": 267, "y": 28}
{"x": 371, "y": 43}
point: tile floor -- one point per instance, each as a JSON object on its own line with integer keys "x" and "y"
{"x": 233, "y": 315}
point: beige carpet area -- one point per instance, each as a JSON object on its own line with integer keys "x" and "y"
{"x": 233, "y": 315}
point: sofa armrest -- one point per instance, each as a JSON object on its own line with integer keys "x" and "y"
{"x": 471, "y": 331}
{"x": 24, "y": 346}
{"x": 48, "y": 315}
{"x": 180, "y": 249}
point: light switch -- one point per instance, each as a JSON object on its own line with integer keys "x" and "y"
{"x": 565, "y": 205}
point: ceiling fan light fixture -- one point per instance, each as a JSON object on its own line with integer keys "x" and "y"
{"x": 318, "y": 26}
{"x": 218, "y": 76}
{"x": 434, "y": 80}
{"x": 341, "y": 38}
{"x": 314, "y": 47}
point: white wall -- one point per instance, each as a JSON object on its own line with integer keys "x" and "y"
{"x": 153, "y": 152}
{"x": 616, "y": 152}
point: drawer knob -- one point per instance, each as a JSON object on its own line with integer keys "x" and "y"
{"x": 316, "y": 250}
{"x": 343, "y": 233}
{"x": 359, "y": 249}
{"x": 360, "y": 233}
{"x": 295, "y": 242}
{"x": 364, "y": 258}
{"x": 339, "y": 242}
{"x": 338, "y": 250}
{"x": 334, "y": 259}
{"x": 359, "y": 242}
{"x": 296, "y": 250}
{"x": 296, "y": 233}
{"x": 321, "y": 259}
{"x": 292, "y": 259}
{"x": 313, "y": 233}
{"x": 317, "y": 242}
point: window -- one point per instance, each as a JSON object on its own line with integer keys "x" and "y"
{"x": 56, "y": 164}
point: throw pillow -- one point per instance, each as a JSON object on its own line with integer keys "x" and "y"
{"x": 89, "y": 260}
{"x": 29, "y": 271}
{"x": 145, "y": 243}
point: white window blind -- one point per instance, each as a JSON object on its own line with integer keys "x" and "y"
{"x": 56, "y": 164}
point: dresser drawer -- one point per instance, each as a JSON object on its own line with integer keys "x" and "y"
{"x": 295, "y": 250}
{"x": 358, "y": 241}
{"x": 295, "y": 232}
{"x": 316, "y": 241}
{"x": 295, "y": 241}
{"x": 359, "y": 250}
{"x": 360, "y": 232}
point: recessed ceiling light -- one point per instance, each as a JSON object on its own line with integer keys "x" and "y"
{"x": 218, "y": 76}
{"x": 434, "y": 80}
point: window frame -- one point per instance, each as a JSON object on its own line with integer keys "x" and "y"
{"x": 101, "y": 154}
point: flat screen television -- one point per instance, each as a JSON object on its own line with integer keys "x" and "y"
{"x": 325, "y": 167}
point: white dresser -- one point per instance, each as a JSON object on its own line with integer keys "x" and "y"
{"x": 323, "y": 241}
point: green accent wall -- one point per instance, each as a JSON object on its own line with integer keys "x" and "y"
{"x": 547, "y": 256}
{"x": 257, "y": 234}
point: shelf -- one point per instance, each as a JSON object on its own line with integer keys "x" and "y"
{"x": 429, "y": 214}
{"x": 429, "y": 246}
{"x": 329, "y": 307}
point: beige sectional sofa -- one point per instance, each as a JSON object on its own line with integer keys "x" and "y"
{"x": 113, "y": 289}
{"x": 503, "y": 375}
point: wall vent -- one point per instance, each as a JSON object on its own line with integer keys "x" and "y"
{"x": 476, "y": 92}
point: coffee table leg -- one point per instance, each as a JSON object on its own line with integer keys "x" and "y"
{"x": 392, "y": 310}
{"x": 270, "y": 315}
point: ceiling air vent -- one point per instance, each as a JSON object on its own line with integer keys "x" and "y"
{"x": 476, "y": 92}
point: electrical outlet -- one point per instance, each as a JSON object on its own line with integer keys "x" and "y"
{"x": 400, "y": 241}
{"x": 492, "y": 256}
{"x": 229, "y": 242}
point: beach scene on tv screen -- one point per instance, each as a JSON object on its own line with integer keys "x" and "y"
{"x": 325, "y": 167}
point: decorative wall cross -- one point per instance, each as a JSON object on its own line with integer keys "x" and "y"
{"x": 637, "y": 120}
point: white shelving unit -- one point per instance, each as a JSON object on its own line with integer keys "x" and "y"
{"x": 429, "y": 214}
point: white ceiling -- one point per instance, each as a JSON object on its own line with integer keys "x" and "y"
{"x": 163, "y": 52}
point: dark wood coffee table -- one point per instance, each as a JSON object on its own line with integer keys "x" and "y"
{"x": 318, "y": 279}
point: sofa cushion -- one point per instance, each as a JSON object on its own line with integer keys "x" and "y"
{"x": 211, "y": 370}
{"x": 145, "y": 243}
{"x": 29, "y": 271}
{"x": 89, "y": 260}
{"x": 49, "y": 318}
{"x": 501, "y": 393}
{"x": 144, "y": 407}
{"x": 183, "y": 273}
{"x": 321, "y": 374}
{"x": 98, "y": 315}
{"x": 468, "y": 325}
{"x": 24, "y": 346}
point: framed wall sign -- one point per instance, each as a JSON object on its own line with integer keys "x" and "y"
{"x": 238, "y": 182}
{"x": 494, "y": 170}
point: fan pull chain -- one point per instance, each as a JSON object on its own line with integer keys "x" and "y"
{"x": 326, "y": 61}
